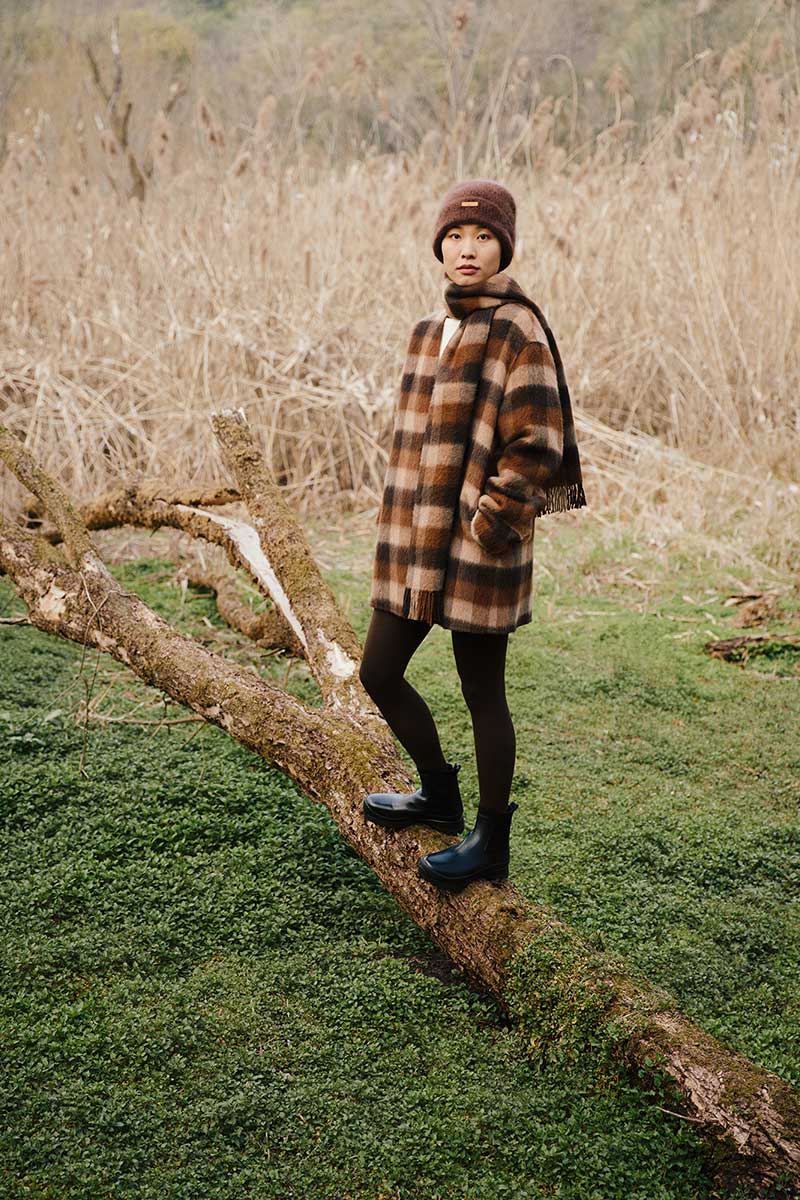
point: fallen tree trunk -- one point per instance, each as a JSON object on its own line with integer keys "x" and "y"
{"x": 738, "y": 647}
{"x": 547, "y": 978}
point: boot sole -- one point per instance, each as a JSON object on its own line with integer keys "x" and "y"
{"x": 494, "y": 874}
{"x": 441, "y": 826}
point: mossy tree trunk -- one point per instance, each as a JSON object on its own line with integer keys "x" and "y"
{"x": 555, "y": 985}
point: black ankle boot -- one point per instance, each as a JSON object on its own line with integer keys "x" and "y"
{"x": 436, "y": 802}
{"x": 483, "y": 854}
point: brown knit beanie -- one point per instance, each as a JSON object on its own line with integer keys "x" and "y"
{"x": 480, "y": 202}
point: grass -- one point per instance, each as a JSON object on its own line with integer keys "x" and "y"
{"x": 207, "y": 994}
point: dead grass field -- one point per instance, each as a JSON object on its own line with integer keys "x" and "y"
{"x": 669, "y": 277}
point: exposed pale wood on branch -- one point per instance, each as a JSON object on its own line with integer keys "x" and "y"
{"x": 151, "y": 505}
{"x": 340, "y": 751}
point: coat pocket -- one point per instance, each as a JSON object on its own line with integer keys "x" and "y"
{"x": 512, "y": 520}
{"x": 494, "y": 535}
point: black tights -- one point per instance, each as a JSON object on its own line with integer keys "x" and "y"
{"x": 481, "y": 663}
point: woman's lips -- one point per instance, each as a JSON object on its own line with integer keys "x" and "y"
{"x": 468, "y": 270}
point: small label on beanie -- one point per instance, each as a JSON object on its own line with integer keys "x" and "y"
{"x": 469, "y": 203}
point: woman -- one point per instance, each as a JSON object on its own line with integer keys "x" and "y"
{"x": 483, "y": 443}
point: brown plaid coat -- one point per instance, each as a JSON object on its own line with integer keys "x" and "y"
{"x": 515, "y": 447}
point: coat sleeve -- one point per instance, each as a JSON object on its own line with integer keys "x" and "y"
{"x": 531, "y": 437}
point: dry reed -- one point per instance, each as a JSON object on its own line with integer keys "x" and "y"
{"x": 669, "y": 277}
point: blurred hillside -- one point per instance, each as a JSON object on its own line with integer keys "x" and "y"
{"x": 340, "y": 78}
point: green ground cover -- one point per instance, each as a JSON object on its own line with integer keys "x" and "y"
{"x": 206, "y": 994}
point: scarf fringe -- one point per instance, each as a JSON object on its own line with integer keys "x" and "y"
{"x": 423, "y": 606}
{"x": 564, "y": 496}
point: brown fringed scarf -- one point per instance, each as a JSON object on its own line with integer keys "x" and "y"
{"x": 447, "y": 435}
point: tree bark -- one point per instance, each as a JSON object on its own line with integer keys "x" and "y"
{"x": 553, "y": 983}
{"x": 731, "y": 647}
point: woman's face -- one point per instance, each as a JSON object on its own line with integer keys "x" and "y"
{"x": 470, "y": 246}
